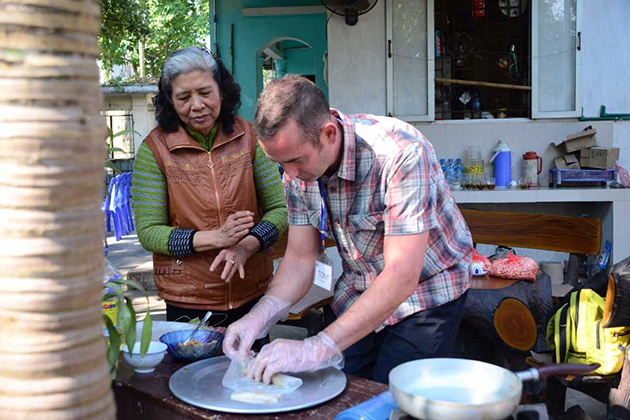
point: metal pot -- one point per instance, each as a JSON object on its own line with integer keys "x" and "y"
{"x": 463, "y": 389}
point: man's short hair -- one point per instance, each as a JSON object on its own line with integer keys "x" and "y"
{"x": 292, "y": 97}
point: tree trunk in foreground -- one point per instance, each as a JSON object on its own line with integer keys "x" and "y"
{"x": 52, "y": 146}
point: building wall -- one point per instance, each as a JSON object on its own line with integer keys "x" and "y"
{"x": 358, "y": 80}
{"x": 357, "y": 63}
{"x": 301, "y": 61}
{"x": 357, "y": 74}
{"x": 252, "y": 33}
{"x": 143, "y": 115}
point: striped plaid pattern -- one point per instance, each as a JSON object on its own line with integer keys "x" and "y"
{"x": 389, "y": 183}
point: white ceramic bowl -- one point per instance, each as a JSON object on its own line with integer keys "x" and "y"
{"x": 145, "y": 364}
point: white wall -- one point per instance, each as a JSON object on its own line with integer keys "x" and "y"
{"x": 357, "y": 74}
{"x": 450, "y": 139}
{"x": 605, "y": 60}
{"x": 143, "y": 116}
{"x": 621, "y": 139}
{"x": 606, "y": 56}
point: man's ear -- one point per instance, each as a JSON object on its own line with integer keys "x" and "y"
{"x": 329, "y": 132}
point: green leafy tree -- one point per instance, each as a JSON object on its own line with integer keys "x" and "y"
{"x": 163, "y": 26}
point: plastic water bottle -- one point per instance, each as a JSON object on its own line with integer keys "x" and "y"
{"x": 443, "y": 166}
{"x": 455, "y": 180}
{"x": 459, "y": 170}
{"x": 476, "y": 106}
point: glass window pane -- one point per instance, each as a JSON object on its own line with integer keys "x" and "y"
{"x": 557, "y": 25}
{"x": 410, "y": 57}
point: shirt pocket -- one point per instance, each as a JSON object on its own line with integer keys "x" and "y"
{"x": 366, "y": 231}
{"x": 169, "y": 273}
{"x": 314, "y": 218}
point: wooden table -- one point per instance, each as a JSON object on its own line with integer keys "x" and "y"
{"x": 147, "y": 396}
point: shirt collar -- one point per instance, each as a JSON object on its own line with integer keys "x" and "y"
{"x": 204, "y": 141}
{"x": 347, "y": 167}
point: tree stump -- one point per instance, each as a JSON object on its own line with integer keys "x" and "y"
{"x": 617, "y": 309}
{"x": 515, "y": 324}
{"x": 511, "y": 320}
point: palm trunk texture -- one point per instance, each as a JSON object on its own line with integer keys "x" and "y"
{"x": 52, "y": 147}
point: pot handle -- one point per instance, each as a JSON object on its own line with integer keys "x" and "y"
{"x": 558, "y": 369}
{"x": 540, "y": 170}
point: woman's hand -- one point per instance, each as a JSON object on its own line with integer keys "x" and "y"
{"x": 235, "y": 258}
{"x": 235, "y": 228}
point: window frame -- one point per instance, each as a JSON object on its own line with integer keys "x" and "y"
{"x": 389, "y": 33}
{"x": 430, "y": 116}
{"x": 577, "y": 112}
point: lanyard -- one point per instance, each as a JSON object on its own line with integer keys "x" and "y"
{"x": 324, "y": 195}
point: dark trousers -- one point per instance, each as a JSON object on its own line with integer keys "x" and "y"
{"x": 426, "y": 334}
{"x": 217, "y": 319}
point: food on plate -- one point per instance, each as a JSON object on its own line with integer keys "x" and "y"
{"x": 195, "y": 343}
{"x": 256, "y": 397}
{"x": 282, "y": 380}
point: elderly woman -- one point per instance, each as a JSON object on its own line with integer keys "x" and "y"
{"x": 207, "y": 202}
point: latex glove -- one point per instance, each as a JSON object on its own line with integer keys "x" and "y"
{"x": 235, "y": 258}
{"x": 241, "y": 334}
{"x": 314, "y": 353}
{"x": 235, "y": 228}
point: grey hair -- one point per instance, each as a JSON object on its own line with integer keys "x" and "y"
{"x": 184, "y": 61}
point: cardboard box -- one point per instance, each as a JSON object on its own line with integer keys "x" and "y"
{"x": 568, "y": 161}
{"x": 578, "y": 141}
{"x": 599, "y": 157}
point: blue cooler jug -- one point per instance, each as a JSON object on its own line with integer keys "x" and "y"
{"x": 502, "y": 159}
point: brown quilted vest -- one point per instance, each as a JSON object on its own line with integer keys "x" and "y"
{"x": 204, "y": 188}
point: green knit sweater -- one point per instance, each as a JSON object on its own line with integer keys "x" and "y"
{"x": 150, "y": 200}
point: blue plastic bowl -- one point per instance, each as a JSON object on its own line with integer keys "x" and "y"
{"x": 206, "y": 344}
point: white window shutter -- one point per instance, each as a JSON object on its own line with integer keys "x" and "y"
{"x": 556, "y": 58}
{"x": 410, "y": 59}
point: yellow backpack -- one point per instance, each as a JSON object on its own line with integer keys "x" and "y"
{"x": 576, "y": 335}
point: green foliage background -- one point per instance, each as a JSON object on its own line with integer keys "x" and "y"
{"x": 162, "y": 25}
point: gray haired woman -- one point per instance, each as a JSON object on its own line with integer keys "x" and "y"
{"x": 207, "y": 201}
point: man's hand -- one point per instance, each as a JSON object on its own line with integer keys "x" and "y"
{"x": 235, "y": 228}
{"x": 235, "y": 258}
{"x": 241, "y": 334}
{"x": 314, "y": 353}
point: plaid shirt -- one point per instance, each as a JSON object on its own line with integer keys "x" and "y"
{"x": 389, "y": 183}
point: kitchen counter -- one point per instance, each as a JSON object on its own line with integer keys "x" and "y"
{"x": 542, "y": 195}
{"x": 147, "y": 397}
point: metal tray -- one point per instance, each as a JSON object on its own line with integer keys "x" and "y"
{"x": 199, "y": 384}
